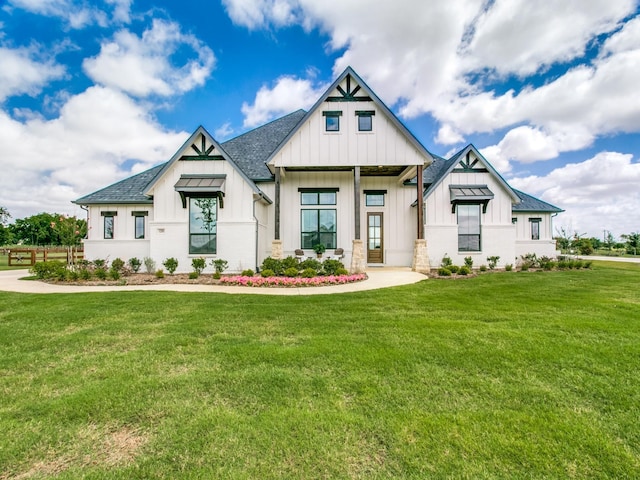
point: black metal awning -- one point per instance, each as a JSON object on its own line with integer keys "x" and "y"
{"x": 211, "y": 185}
{"x": 466, "y": 194}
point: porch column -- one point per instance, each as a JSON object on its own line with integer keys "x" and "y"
{"x": 356, "y": 201}
{"x": 358, "y": 261}
{"x": 420, "y": 188}
{"x": 276, "y": 245}
{"x": 420, "y": 262}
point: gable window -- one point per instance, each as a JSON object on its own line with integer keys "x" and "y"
{"x": 108, "y": 224}
{"x": 535, "y": 228}
{"x": 203, "y": 223}
{"x": 365, "y": 120}
{"x": 468, "y": 227}
{"x": 318, "y": 225}
{"x": 332, "y": 120}
{"x": 374, "y": 198}
{"x": 138, "y": 224}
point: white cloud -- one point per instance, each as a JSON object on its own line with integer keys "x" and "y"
{"x": 81, "y": 150}
{"x": 255, "y": 14}
{"x": 599, "y": 193}
{"x": 140, "y": 65}
{"x": 77, "y": 14}
{"x": 23, "y": 72}
{"x": 223, "y": 132}
{"x": 287, "y": 95}
{"x": 523, "y": 37}
{"x": 439, "y": 59}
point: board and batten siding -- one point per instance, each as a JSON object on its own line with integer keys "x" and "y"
{"x": 123, "y": 245}
{"x": 236, "y": 224}
{"x": 497, "y": 231}
{"x": 312, "y": 146}
{"x": 545, "y": 246}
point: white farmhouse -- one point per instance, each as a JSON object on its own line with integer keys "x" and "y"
{"x": 347, "y": 174}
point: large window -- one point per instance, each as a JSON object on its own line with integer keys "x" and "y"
{"x": 108, "y": 227}
{"x": 468, "y": 227}
{"x": 318, "y": 225}
{"x": 535, "y": 228}
{"x": 203, "y": 220}
{"x": 138, "y": 219}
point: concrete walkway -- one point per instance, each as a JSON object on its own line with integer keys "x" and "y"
{"x": 378, "y": 278}
{"x": 611, "y": 259}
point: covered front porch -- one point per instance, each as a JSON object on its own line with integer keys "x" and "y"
{"x": 371, "y": 212}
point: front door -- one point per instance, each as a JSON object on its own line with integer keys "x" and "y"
{"x": 374, "y": 238}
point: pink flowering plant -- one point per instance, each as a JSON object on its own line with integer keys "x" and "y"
{"x": 246, "y": 281}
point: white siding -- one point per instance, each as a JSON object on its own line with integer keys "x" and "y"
{"x": 312, "y": 146}
{"x": 441, "y": 228}
{"x": 545, "y": 246}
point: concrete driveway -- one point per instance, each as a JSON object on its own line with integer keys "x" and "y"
{"x": 378, "y": 278}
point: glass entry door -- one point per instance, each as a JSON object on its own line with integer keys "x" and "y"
{"x": 374, "y": 238}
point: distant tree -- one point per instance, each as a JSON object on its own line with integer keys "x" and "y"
{"x": 49, "y": 229}
{"x": 609, "y": 240}
{"x": 596, "y": 243}
{"x": 6, "y": 237}
{"x": 4, "y": 216}
{"x": 632, "y": 242}
{"x": 563, "y": 239}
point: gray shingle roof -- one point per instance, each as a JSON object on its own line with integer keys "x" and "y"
{"x": 128, "y": 190}
{"x": 533, "y": 204}
{"x": 251, "y": 150}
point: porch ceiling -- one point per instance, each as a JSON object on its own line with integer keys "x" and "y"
{"x": 365, "y": 171}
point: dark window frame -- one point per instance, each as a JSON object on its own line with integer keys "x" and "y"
{"x": 365, "y": 116}
{"x": 535, "y": 230}
{"x": 332, "y": 120}
{"x": 211, "y": 234}
{"x": 465, "y": 240}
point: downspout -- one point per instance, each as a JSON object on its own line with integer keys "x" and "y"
{"x": 255, "y": 200}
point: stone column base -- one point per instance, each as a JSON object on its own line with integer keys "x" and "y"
{"x": 420, "y": 261}
{"x": 276, "y": 249}
{"x": 358, "y": 263}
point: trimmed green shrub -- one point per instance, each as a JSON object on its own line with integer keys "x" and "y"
{"x": 134, "y": 264}
{"x": 149, "y": 264}
{"x": 216, "y": 275}
{"x": 100, "y": 273}
{"x": 330, "y": 266}
{"x": 267, "y": 272}
{"x": 171, "y": 264}
{"x": 118, "y": 264}
{"x": 114, "y": 273}
{"x": 444, "y": 272}
{"x": 493, "y": 261}
{"x": 159, "y": 273}
{"x": 193, "y": 275}
{"x": 524, "y": 267}
{"x": 309, "y": 273}
{"x": 290, "y": 262}
{"x": 99, "y": 263}
{"x": 52, "y": 269}
{"x": 508, "y": 267}
{"x": 273, "y": 264}
{"x": 291, "y": 272}
{"x": 464, "y": 270}
{"x": 453, "y": 268}
{"x": 468, "y": 262}
{"x": 342, "y": 271}
{"x": 198, "y": 264}
{"x": 483, "y": 268}
{"x": 248, "y": 273}
{"x": 73, "y": 275}
{"x": 446, "y": 261}
{"x": 85, "y": 274}
{"x": 219, "y": 265}
{"x": 311, "y": 263}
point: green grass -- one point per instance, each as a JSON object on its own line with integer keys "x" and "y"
{"x": 510, "y": 375}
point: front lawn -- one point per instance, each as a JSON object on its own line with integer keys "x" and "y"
{"x": 509, "y": 375}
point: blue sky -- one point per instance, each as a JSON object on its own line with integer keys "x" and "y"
{"x": 92, "y": 92}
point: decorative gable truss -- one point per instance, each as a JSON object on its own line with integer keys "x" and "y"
{"x": 206, "y": 149}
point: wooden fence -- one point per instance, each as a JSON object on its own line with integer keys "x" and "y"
{"x": 29, "y": 256}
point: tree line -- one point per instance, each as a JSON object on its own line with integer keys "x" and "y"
{"x": 565, "y": 242}
{"x": 42, "y": 229}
